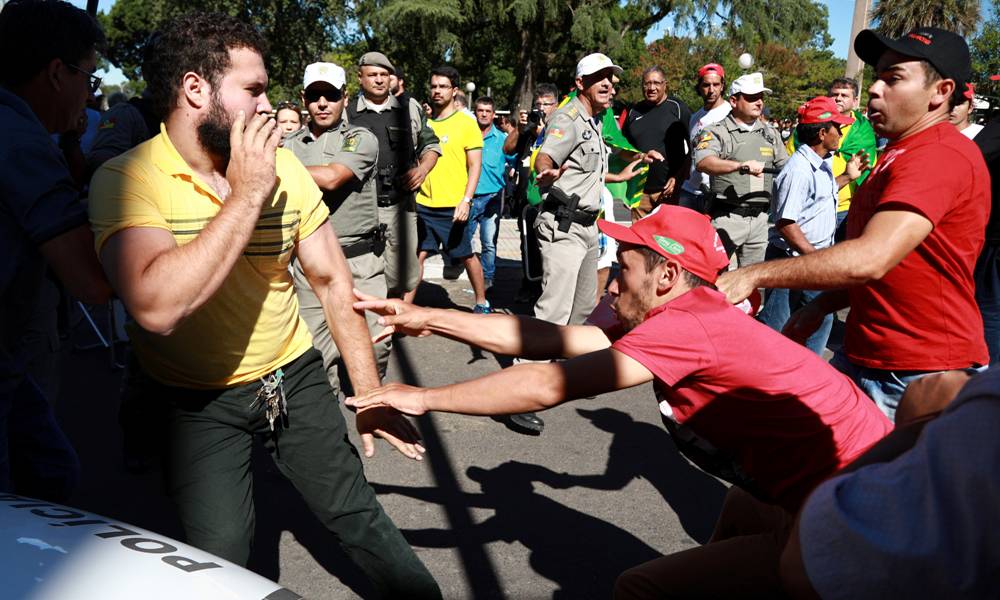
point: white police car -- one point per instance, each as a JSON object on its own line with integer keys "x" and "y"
{"x": 49, "y": 552}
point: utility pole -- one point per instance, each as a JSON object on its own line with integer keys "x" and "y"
{"x": 92, "y": 7}
{"x": 855, "y": 68}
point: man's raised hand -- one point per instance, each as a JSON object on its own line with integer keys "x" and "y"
{"x": 404, "y": 398}
{"x": 251, "y": 171}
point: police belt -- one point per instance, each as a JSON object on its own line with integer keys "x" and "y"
{"x": 372, "y": 243}
{"x": 744, "y": 209}
{"x": 390, "y": 200}
{"x": 562, "y": 212}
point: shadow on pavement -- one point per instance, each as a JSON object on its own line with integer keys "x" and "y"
{"x": 646, "y": 451}
{"x": 582, "y": 554}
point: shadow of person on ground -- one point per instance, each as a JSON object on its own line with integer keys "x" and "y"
{"x": 646, "y": 451}
{"x": 582, "y": 554}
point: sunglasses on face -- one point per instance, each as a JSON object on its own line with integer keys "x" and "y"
{"x": 333, "y": 95}
{"x": 95, "y": 81}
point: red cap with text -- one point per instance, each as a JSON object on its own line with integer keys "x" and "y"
{"x": 677, "y": 233}
{"x": 822, "y": 109}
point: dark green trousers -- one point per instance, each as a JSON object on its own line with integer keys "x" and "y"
{"x": 209, "y": 479}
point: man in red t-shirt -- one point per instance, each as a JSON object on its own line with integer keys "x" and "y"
{"x": 916, "y": 228}
{"x": 775, "y": 425}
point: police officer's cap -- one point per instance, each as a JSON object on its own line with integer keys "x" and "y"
{"x": 749, "y": 84}
{"x": 376, "y": 59}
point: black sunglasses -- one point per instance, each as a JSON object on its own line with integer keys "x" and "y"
{"x": 332, "y": 95}
{"x": 95, "y": 81}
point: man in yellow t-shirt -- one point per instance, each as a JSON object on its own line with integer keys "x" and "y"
{"x": 195, "y": 229}
{"x": 445, "y": 197}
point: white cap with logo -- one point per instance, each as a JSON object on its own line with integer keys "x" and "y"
{"x": 325, "y": 72}
{"x": 750, "y": 84}
{"x": 595, "y": 62}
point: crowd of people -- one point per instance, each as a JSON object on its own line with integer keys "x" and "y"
{"x": 267, "y": 255}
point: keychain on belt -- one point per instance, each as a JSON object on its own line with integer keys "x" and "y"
{"x": 272, "y": 395}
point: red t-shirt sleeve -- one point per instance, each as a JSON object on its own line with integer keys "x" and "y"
{"x": 926, "y": 187}
{"x": 672, "y": 346}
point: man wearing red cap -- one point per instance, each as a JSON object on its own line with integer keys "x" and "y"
{"x": 710, "y": 85}
{"x": 915, "y": 229}
{"x": 804, "y": 207}
{"x": 739, "y": 419}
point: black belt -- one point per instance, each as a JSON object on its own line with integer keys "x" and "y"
{"x": 580, "y": 217}
{"x": 393, "y": 201}
{"x": 373, "y": 243}
{"x": 743, "y": 210}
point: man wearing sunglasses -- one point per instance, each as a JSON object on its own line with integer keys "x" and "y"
{"x": 47, "y": 53}
{"x": 341, "y": 159}
{"x": 804, "y": 207}
{"x": 734, "y": 153}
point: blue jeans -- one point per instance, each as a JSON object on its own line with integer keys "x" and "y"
{"x": 779, "y": 304}
{"x": 988, "y": 298}
{"x": 36, "y": 459}
{"x": 884, "y": 387}
{"x": 486, "y": 213}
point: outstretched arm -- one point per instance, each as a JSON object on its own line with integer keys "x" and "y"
{"x": 499, "y": 333}
{"x": 519, "y": 389}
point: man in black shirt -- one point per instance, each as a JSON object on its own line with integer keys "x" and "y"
{"x": 660, "y": 123}
{"x": 987, "y": 273}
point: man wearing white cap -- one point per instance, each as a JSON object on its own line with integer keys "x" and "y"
{"x": 341, "y": 159}
{"x": 734, "y": 153}
{"x": 570, "y": 167}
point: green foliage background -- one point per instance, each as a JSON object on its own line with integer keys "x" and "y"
{"x": 509, "y": 46}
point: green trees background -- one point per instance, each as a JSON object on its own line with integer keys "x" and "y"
{"x": 509, "y": 46}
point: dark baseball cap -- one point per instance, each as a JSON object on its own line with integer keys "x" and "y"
{"x": 946, "y": 50}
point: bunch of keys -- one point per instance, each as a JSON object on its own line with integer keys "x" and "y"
{"x": 272, "y": 394}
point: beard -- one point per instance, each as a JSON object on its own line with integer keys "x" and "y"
{"x": 213, "y": 131}
{"x": 634, "y": 312}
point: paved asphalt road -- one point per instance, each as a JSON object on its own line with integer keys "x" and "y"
{"x": 493, "y": 513}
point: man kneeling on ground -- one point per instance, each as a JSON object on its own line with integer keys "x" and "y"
{"x": 775, "y": 426}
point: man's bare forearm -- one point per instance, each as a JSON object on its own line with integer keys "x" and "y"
{"x": 544, "y": 162}
{"x": 713, "y": 165}
{"x": 792, "y": 233}
{"x": 348, "y": 327}
{"x": 183, "y": 278}
{"x": 519, "y": 389}
{"x": 846, "y": 264}
{"x": 330, "y": 177}
{"x": 513, "y": 335}
{"x": 510, "y": 144}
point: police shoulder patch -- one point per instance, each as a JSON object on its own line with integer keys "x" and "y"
{"x": 351, "y": 142}
{"x": 705, "y": 137}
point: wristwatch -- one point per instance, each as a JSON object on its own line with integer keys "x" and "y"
{"x": 467, "y": 200}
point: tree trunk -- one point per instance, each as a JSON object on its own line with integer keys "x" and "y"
{"x": 524, "y": 84}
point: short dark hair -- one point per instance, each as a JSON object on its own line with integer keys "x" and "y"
{"x": 485, "y": 101}
{"x": 196, "y": 42}
{"x": 546, "y": 89}
{"x": 842, "y": 82}
{"x": 447, "y": 71}
{"x": 34, "y": 32}
{"x": 654, "y": 69}
{"x": 808, "y": 133}
{"x": 652, "y": 259}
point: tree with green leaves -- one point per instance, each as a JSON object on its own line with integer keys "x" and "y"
{"x": 985, "y": 50}
{"x": 298, "y": 32}
{"x": 897, "y": 17}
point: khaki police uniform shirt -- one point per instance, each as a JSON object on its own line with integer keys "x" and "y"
{"x": 573, "y": 138}
{"x": 730, "y": 139}
{"x": 356, "y": 148}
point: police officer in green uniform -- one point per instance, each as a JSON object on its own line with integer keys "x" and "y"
{"x": 734, "y": 153}
{"x": 341, "y": 159}
{"x": 408, "y": 150}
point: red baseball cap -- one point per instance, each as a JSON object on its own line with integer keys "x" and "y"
{"x": 822, "y": 109}
{"x": 712, "y": 68}
{"x": 678, "y": 233}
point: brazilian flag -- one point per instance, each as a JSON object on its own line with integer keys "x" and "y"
{"x": 628, "y": 192}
